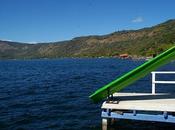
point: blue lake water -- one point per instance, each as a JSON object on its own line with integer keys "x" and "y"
{"x": 53, "y": 94}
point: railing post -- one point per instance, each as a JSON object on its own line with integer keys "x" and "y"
{"x": 153, "y": 83}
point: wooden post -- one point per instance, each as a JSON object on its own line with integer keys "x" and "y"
{"x": 112, "y": 121}
{"x": 104, "y": 123}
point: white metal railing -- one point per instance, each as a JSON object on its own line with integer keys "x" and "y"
{"x": 154, "y": 81}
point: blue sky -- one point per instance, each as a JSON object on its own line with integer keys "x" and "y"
{"x": 57, "y": 20}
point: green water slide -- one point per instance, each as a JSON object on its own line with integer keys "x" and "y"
{"x": 133, "y": 75}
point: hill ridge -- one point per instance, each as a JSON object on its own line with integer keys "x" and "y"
{"x": 142, "y": 42}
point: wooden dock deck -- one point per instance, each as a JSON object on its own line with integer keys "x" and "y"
{"x": 159, "y": 107}
{"x": 142, "y": 101}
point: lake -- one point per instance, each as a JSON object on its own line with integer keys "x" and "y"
{"x": 53, "y": 94}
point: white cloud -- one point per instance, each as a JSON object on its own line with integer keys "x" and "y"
{"x": 137, "y": 20}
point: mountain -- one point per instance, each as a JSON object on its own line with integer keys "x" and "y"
{"x": 142, "y": 42}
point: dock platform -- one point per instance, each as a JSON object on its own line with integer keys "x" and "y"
{"x": 158, "y": 107}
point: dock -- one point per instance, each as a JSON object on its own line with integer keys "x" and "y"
{"x": 158, "y": 107}
{"x": 155, "y": 107}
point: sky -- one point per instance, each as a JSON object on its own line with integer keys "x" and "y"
{"x": 34, "y": 21}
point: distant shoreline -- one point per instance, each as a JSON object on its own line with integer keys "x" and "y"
{"x": 102, "y": 57}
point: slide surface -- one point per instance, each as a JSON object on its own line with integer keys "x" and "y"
{"x": 134, "y": 75}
